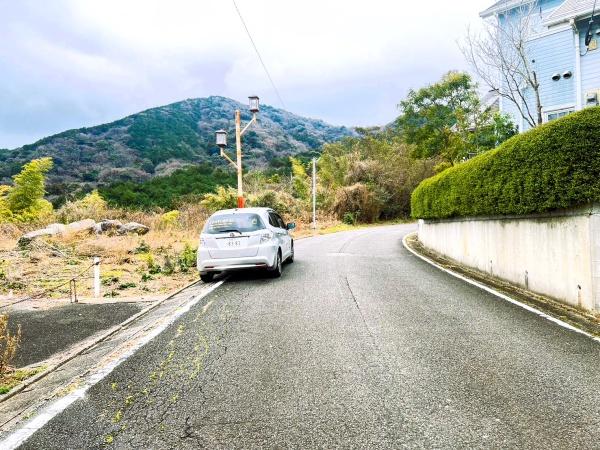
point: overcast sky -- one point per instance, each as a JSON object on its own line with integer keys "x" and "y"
{"x": 72, "y": 63}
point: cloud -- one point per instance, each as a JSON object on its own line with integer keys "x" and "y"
{"x": 71, "y": 63}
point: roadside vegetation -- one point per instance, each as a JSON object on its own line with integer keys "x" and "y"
{"x": 553, "y": 166}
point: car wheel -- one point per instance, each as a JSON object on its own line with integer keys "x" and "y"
{"x": 277, "y": 269}
{"x": 291, "y": 257}
{"x": 207, "y": 277}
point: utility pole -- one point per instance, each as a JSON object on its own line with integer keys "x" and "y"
{"x": 314, "y": 192}
{"x": 239, "y": 132}
{"x": 238, "y": 152}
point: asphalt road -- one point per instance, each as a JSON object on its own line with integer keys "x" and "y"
{"x": 358, "y": 345}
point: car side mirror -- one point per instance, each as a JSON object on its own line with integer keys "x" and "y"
{"x": 291, "y": 226}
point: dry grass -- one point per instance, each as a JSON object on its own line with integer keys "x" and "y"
{"x": 131, "y": 266}
{"x": 9, "y": 343}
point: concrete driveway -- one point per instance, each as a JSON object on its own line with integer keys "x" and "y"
{"x": 359, "y": 345}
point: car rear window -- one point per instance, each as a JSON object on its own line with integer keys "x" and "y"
{"x": 224, "y": 223}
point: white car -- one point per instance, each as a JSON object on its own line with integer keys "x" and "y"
{"x": 249, "y": 238}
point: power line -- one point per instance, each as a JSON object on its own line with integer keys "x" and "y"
{"x": 258, "y": 54}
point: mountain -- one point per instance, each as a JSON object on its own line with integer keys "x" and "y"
{"x": 160, "y": 140}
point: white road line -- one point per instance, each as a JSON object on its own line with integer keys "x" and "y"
{"x": 492, "y": 291}
{"x": 19, "y": 436}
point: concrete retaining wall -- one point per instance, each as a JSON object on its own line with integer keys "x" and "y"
{"x": 557, "y": 254}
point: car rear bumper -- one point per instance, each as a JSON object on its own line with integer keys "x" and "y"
{"x": 263, "y": 260}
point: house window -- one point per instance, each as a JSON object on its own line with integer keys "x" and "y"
{"x": 553, "y": 115}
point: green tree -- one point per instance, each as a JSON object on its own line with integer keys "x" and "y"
{"x": 5, "y": 212}
{"x": 301, "y": 180}
{"x": 25, "y": 199}
{"x": 447, "y": 120}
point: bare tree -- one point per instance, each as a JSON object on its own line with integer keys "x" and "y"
{"x": 501, "y": 57}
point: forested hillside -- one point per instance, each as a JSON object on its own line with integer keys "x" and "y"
{"x": 160, "y": 140}
{"x": 183, "y": 185}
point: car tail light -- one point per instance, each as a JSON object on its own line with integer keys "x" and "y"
{"x": 266, "y": 237}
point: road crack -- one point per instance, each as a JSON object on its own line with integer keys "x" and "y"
{"x": 360, "y": 311}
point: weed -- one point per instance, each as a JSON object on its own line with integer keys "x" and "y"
{"x": 143, "y": 247}
{"x": 111, "y": 294}
{"x": 151, "y": 265}
{"x": 107, "y": 281}
{"x": 350, "y": 218}
{"x": 169, "y": 220}
{"x": 187, "y": 258}
{"x": 168, "y": 266}
{"x": 9, "y": 343}
{"x": 147, "y": 277}
{"x": 110, "y": 277}
{"x": 11, "y": 379}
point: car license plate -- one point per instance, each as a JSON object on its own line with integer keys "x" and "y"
{"x": 234, "y": 243}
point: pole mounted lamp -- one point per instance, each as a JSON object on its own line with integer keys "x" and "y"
{"x": 221, "y": 138}
{"x": 253, "y": 104}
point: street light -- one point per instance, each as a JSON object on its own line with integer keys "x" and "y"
{"x": 253, "y": 104}
{"x": 221, "y": 137}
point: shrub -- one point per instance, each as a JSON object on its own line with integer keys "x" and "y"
{"x": 551, "y": 167}
{"x": 169, "y": 219}
{"x": 92, "y": 206}
{"x": 358, "y": 200}
{"x": 187, "y": 258}
{"x": 280, "y": 201}
{"x": 223, "y": 198}
{"x": 350, "y": 219}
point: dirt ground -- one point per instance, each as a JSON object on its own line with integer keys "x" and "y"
{"x": 131, "y": 266}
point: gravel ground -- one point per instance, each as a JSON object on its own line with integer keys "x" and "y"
{"x": 359, "y": 345}
{"x": 49, "y": 331}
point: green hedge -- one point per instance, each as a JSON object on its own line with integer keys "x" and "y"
{"x": 554, "y": 166}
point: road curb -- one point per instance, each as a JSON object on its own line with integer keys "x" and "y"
{"x": 88, "y": 345}
{"x": 496, "y": 293}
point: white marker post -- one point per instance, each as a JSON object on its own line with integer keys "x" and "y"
{"x": 96, "y": 277}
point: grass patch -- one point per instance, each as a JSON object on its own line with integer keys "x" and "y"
{"x": 16, "y": 377}
{"x": 346, "y": 227}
